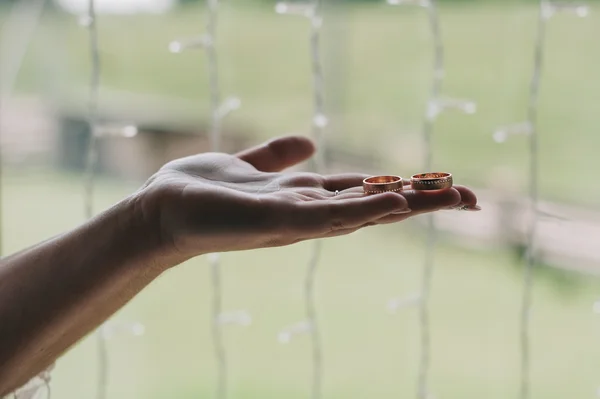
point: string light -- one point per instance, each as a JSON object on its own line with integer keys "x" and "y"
{"x": 218, "y": 111}
{"x": 436, "y": 104}
{"x": 112, "y": 329}
{"x": 16, "y": 35}
{"x": 98, "y": 131}
{"x": 547, "y": 9}
{"x": 21, "y": 24}
{"x": 319, "y": 121}
{"x": 238, "y": 317}
{"x": 38, "y": 385}
{"x": 17, "y": 32}
{"x": 596, "y": 309}
{"x": 398, "y": 303}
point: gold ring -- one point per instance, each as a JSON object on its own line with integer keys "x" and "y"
{"x": 431, "y": 181}
{"x": 381, "y": 184}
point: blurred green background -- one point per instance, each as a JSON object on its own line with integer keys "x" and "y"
{"x": 378, "y": 70}
{"x": 378, "y": 60}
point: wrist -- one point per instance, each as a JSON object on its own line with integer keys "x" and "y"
{"x": 138, "y": 232}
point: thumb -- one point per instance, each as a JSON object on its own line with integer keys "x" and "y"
{"x": 279, "y": 153}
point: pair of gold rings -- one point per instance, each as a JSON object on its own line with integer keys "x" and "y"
{"x": 420, "y": 182}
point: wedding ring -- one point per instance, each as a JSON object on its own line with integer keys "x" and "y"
{"x": 431, "y": 181}
{"x": 381, "y": 184}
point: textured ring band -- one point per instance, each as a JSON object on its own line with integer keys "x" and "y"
{"x": 431, "y": 181}
{"x": 382, "y": 184}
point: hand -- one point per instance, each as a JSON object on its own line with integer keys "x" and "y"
{"x": 216, "y": 202}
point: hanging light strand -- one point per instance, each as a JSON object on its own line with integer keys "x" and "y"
{"x": 529, "y": 127}
{"x": 319, "y": 121}
{"x": 219, "y": 109}
{"x": 436, "y": 105}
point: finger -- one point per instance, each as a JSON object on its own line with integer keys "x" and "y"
{"x": 279, "y": 153}
{"x": 467, "y": 197}
{"x": 427, "y": 201}
{"x": 320, "y": 217}
{"x": 423, "y": 201}
{"x": 420, "y": 202}
{"x": 343, "y": 181}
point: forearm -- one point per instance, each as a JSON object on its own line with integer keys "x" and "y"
{"x": 53, "y": 294}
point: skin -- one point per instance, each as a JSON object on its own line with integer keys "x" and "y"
{"x": 58, "y": 291}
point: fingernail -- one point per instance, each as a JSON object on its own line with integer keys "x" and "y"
{"x": 455, "y": 207}
{"x": 464, "y": 207}
{"x": 469, "y": 208}
{"x": 401, "y": 211}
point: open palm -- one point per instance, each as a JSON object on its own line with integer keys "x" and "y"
{"x": 216, "y": 202}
